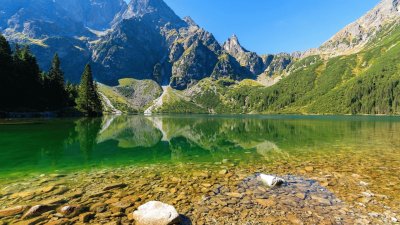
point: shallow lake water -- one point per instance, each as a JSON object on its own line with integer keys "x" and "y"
{"x": 340, "y": 169}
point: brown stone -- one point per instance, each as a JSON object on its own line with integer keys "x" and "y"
{"x": 321, "y": 200}
{"x": 114, "y": 186}
{"x": 71, "y": 210}
{"x": 223, "y": 172}
{"x": 234, "y": 195}
{"x": 23, "y": 194}
{"x": 31, "y": 221}
{"x": 98, "y": 194}
{"x": 120, "y": 206}
{"x": 294, "y": 220}
{"x": 59, "y": 222}
{"x": 160, "y": 189}
{"x": 228, "y": 210}
{"x": 112, "y": 200}
{"x": 12, "y": 211}
{"x": 37, "y": 210}
{"x": 98, "y": 207}
{"x": 60, "y": 190}
{"x": 266, "y": 202}
{"x": 309, "y": 169}
{"x": 201, "y": 174}
{"x": 54, "y": 201}
{"x": 46, "y": 189}
{"x": 103, "y": 215}
{"x": 86, "y": 217}
{"x": 74, "y": 194}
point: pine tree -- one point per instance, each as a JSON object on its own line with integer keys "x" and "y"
{"x": 6, "y": 75}
{"x": 72, "y": 94}
{"x": 88, "y": 101}
{"x": 28, "y": 94}
{"x": 58, "y": 95}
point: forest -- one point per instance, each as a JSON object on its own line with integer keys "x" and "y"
{"x": 25, "y": 88}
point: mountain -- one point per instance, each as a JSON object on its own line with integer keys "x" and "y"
{"x": 340, "y": 77}
{"x": 58, "y": 26}
{"x": 355, "y": 72}
{"x": 357, "y": 34}
{"x": 125, "y": 41}
{"x": 248, "y": 59}
{"x": 149, "y": 34}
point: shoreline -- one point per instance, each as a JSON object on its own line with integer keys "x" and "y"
{"x": 59, "y": 114}
{"x": 206, "y": 194}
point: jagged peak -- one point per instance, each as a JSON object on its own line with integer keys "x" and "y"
{"x": 190, "y": 21}
{"x": 234, "y": 37}
{"x": 358, "y": 33}
{"x": 158, "y": 8}
{"x": 233, "y": 46}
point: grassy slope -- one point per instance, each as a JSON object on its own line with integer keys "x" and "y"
{"x": 364, "y": 83}
{"x": 122, "y": 96}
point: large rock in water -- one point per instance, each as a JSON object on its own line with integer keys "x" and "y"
{"x": 12, "y": 211}
{"x": 156, "y": 213}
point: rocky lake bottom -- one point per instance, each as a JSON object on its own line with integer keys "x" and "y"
{"x": 326, "y": 182}
{"x": 222, "y": 193}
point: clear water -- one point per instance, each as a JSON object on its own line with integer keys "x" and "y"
{"x": 350, "y": 156}
{"x": 64, "y": 145}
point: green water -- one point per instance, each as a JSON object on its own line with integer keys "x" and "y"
{"x": 69, "y": 145}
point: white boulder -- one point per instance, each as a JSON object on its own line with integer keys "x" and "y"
{"x": 156, "y": 213}
{"x": 270, "y": 180}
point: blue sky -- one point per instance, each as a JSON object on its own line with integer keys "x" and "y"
{"x": 272, "y": 26}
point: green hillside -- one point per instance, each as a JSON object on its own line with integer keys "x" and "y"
{"x": 362, "y": 83}
{"x": 131, "y": 95}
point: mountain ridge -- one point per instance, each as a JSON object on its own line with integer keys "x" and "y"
{"x": 146, "y": 40}
{"x": 357, "y": 34}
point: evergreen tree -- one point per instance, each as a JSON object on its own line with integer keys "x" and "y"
{"x": 23, "y": 87}
{"x": 28, "y": 81}
{"x": 72, "y": 93}
{"x": 88, "y": 101}
{"x": 58, "y": 95}
{"x": 6, "y": 75}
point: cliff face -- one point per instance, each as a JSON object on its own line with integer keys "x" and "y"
{"x": 134, "y": 40}
{"x": 250, "y": 60}
{"x": 356, "y": 35}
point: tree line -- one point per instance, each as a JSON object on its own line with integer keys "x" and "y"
{"x": 25, "y": 88}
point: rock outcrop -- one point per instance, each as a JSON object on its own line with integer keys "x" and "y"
{"x": 357, "y": 34}
{"x": 156, "y": 213}
{"x": 250, "y": 60}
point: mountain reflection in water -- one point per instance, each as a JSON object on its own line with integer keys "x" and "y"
{"x": 64, "y": 144}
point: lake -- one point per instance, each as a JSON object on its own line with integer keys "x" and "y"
{"x": 342, "y": 169}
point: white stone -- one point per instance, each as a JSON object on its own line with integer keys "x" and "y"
{"x": 271, "y": 181}
{"x": 155, "y": 213}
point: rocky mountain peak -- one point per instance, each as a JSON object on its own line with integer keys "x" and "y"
{"x": 95, "y": 14}
{"x": 190, "y": 21}
{"x": 233, "y": 46}
{"x": 158, "y": 10}
{"x": 356, "y": 35}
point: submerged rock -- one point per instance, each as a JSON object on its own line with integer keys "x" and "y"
{"x": 156, "y": 213}
{"x": 12, "y": 211}
{"x": 114, "y": 186}
{"x": 86, "y": 217}
{"x": 71, "y": 210}
{"x": 271, "y": 181}
{"x": 37, "y": 210}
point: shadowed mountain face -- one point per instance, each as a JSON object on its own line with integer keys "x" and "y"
{"x": 58, "y": 26}
{"x": 355, "y": 72}
{"x": 122, "y": 40}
